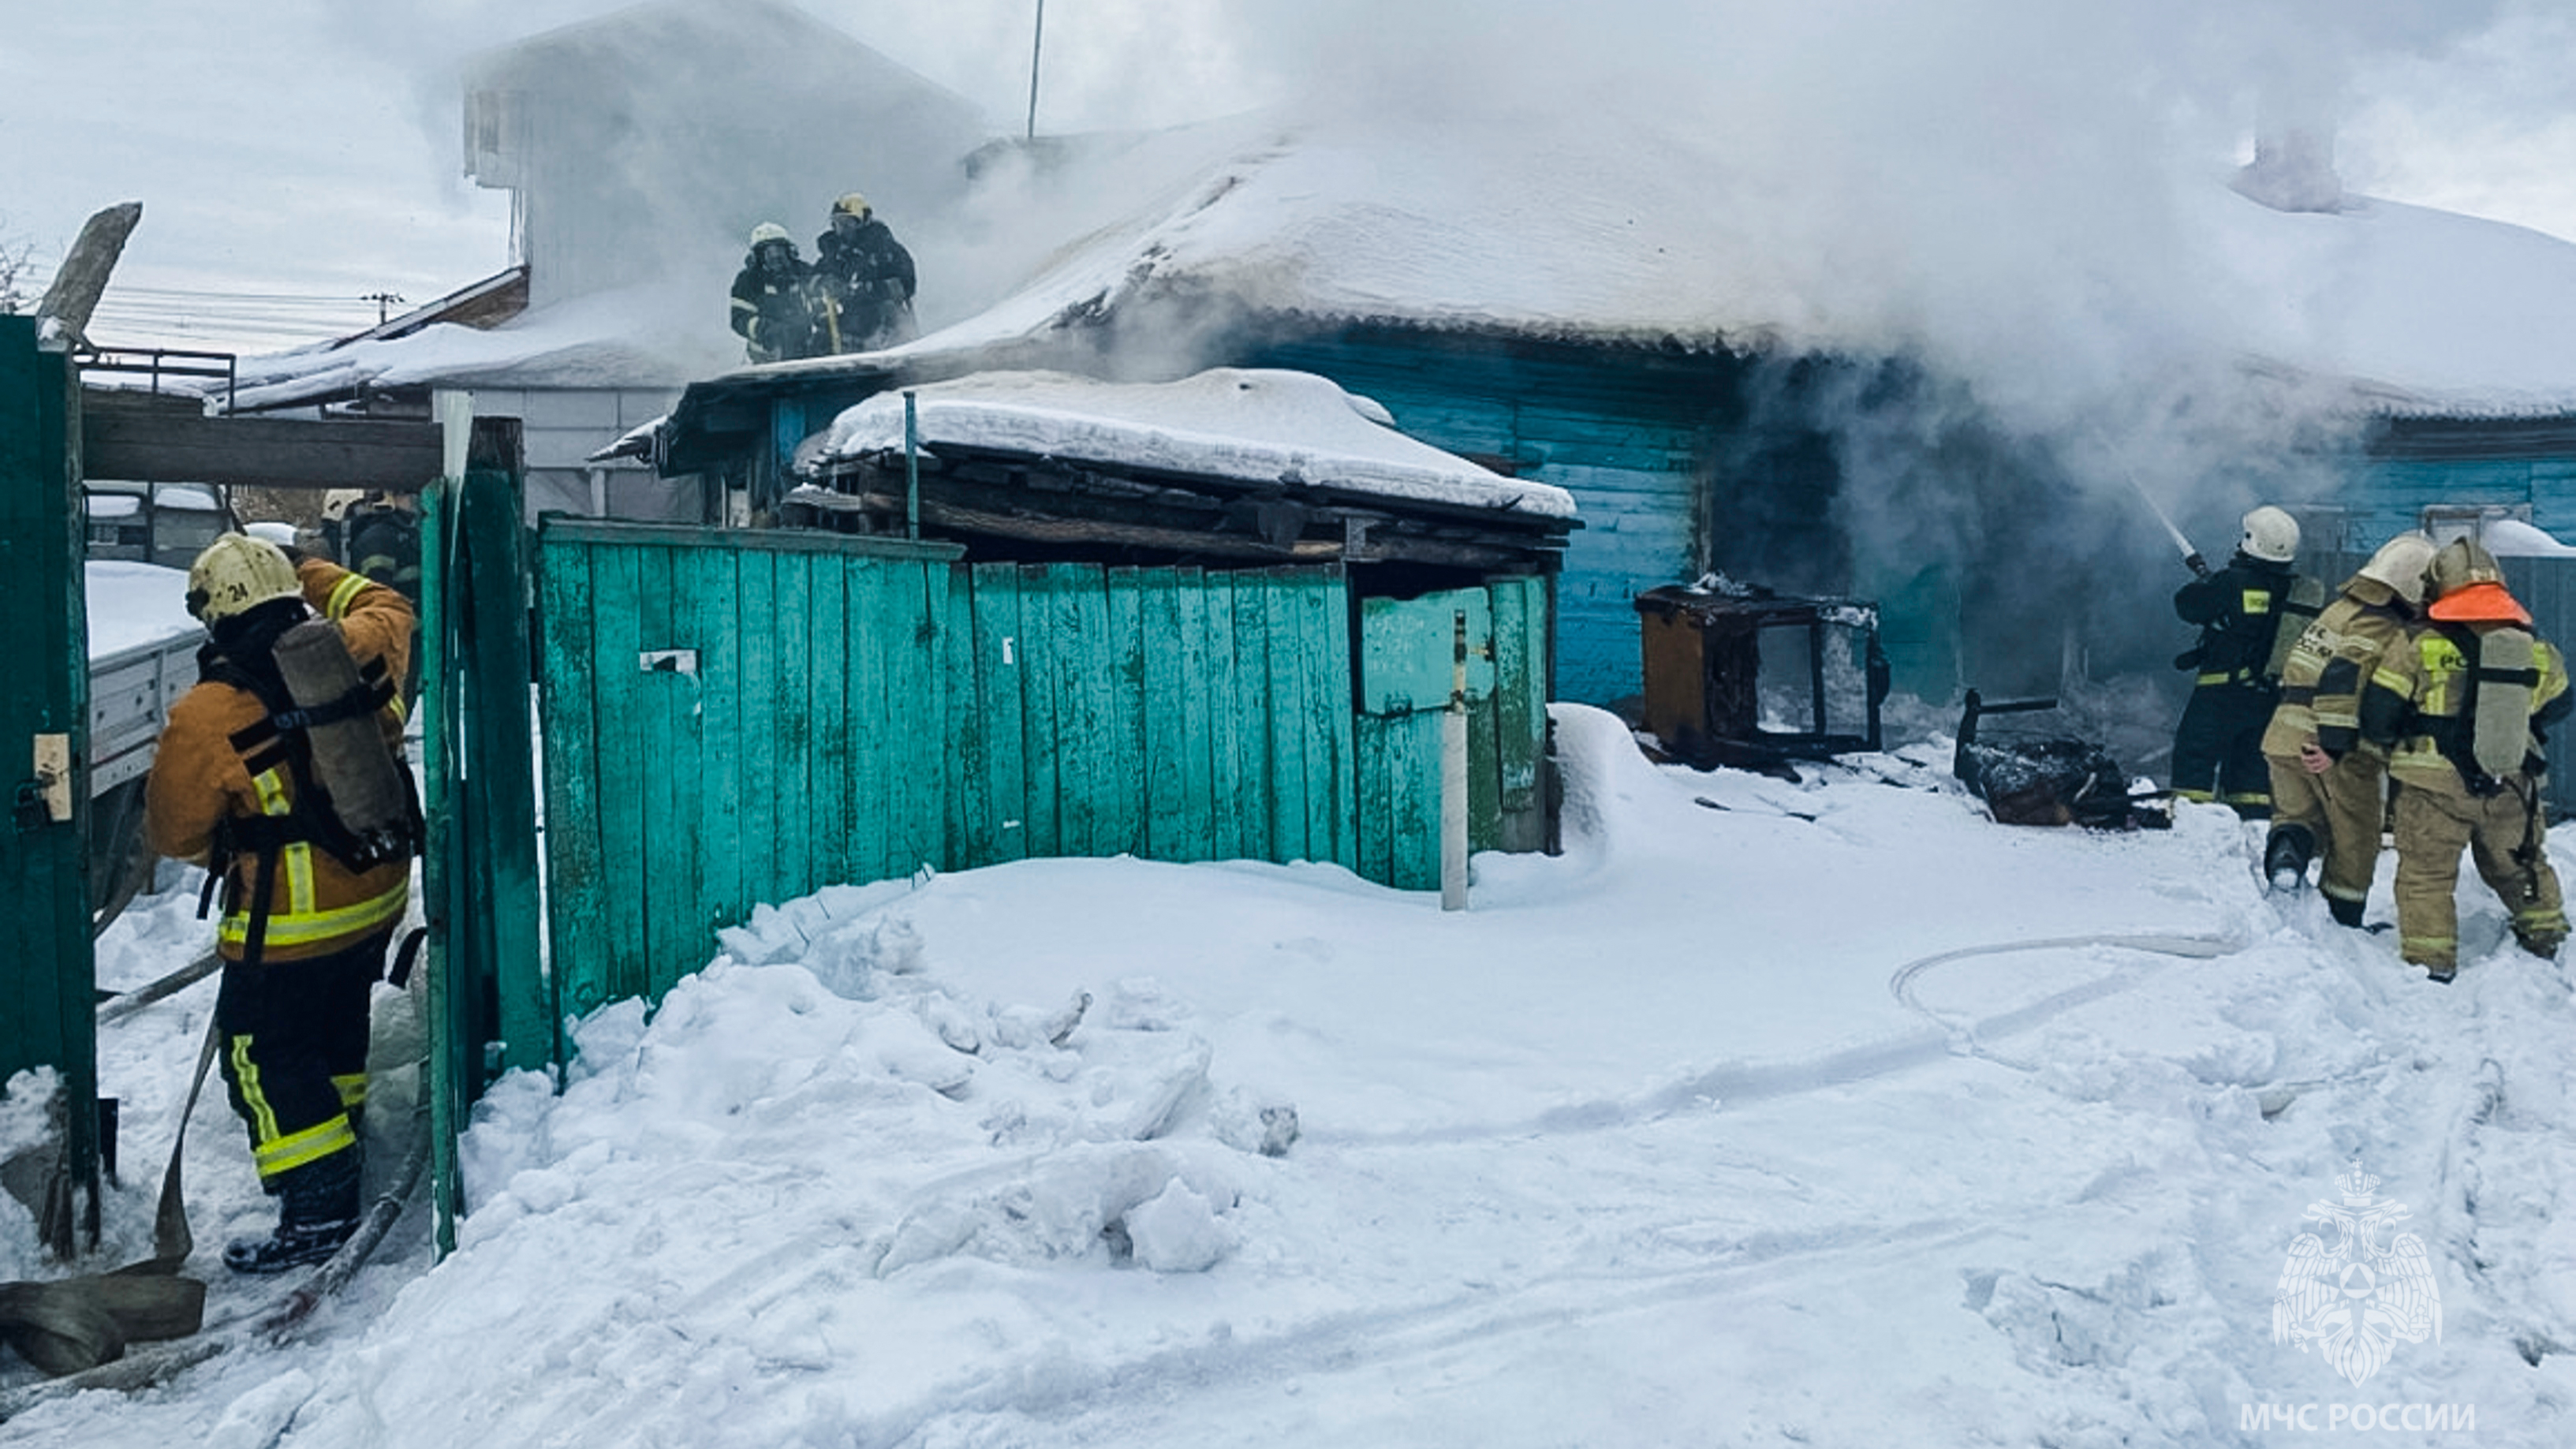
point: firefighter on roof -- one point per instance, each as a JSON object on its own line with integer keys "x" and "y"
{"x": 865, "y": 277}
{"x": 2328, "y": 790}
{"x": 2249, "y": 614}
{"x": 774, "y": 303}
{"x": 2461, "y": 705}
{"x": 281, "y": 772}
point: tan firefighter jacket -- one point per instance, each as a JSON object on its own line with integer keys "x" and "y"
{"x": 2322, "y": 682}
{"x": 2418, "y": 705}
{"x": 199, "y": 778}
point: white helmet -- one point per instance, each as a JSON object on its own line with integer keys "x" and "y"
{"x": 238, "y": 573}
{"x": 770, "y": 231}
{"x": 2270, "y": 535}
{"x": 2400, "y": 564}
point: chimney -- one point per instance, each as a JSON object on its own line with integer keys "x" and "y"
{"x": 2293, "y": 167}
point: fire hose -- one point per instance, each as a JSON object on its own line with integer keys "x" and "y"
{"x": 2190, "y": 556}
{"x": 1901, "y": 984}
{"x": 78, "y": 1328}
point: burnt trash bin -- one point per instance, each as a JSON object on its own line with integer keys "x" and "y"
{"x": 1707, "y": 647}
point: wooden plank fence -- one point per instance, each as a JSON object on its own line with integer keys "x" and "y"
{"x": 734, "y": 717}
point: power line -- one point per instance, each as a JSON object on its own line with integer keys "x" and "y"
{"x": 243, "y": 321}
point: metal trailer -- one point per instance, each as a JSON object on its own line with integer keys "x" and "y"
{"x": 130, "y": 694}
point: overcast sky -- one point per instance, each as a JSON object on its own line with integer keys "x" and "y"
{"x": 294, "y": 156}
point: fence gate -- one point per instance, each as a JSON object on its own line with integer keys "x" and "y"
{"x": 479, "y": 876}
{"x": 47, "y": 970}
{"x": 1407, "y": 673}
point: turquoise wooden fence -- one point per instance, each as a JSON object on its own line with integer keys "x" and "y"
{"x": 735, "y": 717}
{"x": 46, "y": 984}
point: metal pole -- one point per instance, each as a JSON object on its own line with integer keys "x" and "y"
{"x": 1037, "y": 42}
{"x": 911, "y": 464}
{"x": 1453, "y": 780}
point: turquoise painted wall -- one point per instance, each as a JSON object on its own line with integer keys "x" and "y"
{"x": 1626, "y": 440}
{"x": 2389, "y": 496}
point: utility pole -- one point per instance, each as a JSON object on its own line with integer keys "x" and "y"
{"x": 1037, "y": 43}
{"x": 382, "y": 301}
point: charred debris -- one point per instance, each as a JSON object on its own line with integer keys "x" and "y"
{"x": 1740, "y": 676}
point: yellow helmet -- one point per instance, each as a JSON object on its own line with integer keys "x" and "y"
{"x": 852, "y": 204}
{"x": 238, "y": 573}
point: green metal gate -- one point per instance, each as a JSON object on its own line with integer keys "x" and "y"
{"x": 48, "y": 981}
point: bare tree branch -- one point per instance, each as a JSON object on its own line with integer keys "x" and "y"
{"x": 17, "y": 264}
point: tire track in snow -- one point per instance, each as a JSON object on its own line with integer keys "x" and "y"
{"x": 1382, "y": 1340}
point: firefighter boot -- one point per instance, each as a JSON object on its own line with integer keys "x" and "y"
{"x": 317, "y": 1212}
{"x": 2286, "y": 855}
{"x": 2345, "y": 913}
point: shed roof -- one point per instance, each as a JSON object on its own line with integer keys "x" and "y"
{"x": 1252, "y": 425}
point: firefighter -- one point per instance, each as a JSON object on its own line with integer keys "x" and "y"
{"x": 315, "y": 876}
{"x": 2249, "y": 613}
{"x": 865, "y": 278}
{"x": 2461, "y": 704}
{"x": 383, "y": 533}
{"x": 2328, "y": 791}
{"x": 383, "y": 542}
{"x": 774, "y": 306}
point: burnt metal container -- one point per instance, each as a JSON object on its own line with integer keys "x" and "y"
{"x": 1739, "y": 675}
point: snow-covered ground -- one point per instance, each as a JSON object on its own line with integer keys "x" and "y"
{"x": 1738, "y": 1123}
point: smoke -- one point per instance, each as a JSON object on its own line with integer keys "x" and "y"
{"x": 2015, "y": 195}
{"x": 2008, "y": 199}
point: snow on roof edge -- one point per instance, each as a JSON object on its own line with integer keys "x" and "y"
{"x": 1254, "y": 425}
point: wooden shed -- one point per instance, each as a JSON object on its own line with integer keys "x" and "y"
{"x": 1033, "y": 615}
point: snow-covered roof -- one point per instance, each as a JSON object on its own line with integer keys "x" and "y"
{"x": 2432, "y": 312}
{"x": 1632, "y": 235}
{"x": 634, "y": 337}
{"x": 1611, "y": 232}
{"x": 2513, "y": 538}
{"x": 1255, "y": 425}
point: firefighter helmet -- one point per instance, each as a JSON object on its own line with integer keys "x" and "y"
{"x": 2400, "y": 564}
{"x": 236, "y": 574}
{"x": 770, "y": 231}
{"x": 2271, "y": 535}
{"x": 852, "y": 204}
{"x": 2468, "y": 587}
{"x": 337, "y": 503}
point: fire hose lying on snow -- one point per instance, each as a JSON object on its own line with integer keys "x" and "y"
{"x": 79, "y": 1328}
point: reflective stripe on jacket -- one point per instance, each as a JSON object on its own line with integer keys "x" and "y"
{"x": 2416, "y": 704}
{"x": 2322, "y": 682}
{"x": 2237, "y": 609}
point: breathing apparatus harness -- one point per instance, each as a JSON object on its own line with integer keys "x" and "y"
{"x": 350, "y": 795}
{"x": 2490, "y": 741}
